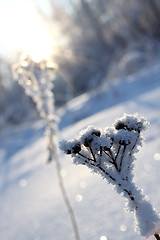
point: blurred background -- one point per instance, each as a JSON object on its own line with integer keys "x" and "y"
{"x": 93, "y": 43}
{"x": 106, "y": 58}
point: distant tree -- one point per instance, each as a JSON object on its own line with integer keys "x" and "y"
{"x": 97, "y": 34}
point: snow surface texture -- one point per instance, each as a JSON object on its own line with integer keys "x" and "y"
{"x": 110, "y": 153}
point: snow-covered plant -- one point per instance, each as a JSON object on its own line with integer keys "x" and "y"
{"x": 111, "y": 153}
{"x": 37, "y": 80}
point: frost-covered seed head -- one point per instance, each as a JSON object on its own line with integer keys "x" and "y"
{"x": 111, "y": 140}
{"x": 87, "y": 141}
{"x": 106, "y": 143}
{"x": 131, "y": 123}
{"x": 117, "y": 164}
{"x": 96, "y": 132}
{"x": 100, "y": 143}
{"x": 119, "y": 125}
{"x": 88, "y": 134}
{"x": 110, "y": 133}
{"x": 140, "y": 126}
{"x": 68, "y": 151}
{"x": 106, "y": 148}
{"x": 70, "y": 147}
{"x": 125, "y": 137}
{"x": 76, "y": 148}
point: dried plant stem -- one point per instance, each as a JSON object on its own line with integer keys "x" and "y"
{"x": 93, "y": 155}
{"x": 120, "y": 166}
{"x": 36, "y": 73}
{"x": 54, "y": 155}
{"x": 113, "y": 152}
{"x": 66, "y": 200}
{"x": 157, "y": 236}
{"x": 112, "y": 178}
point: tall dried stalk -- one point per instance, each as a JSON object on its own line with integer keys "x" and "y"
{"x": 36, "y": 79}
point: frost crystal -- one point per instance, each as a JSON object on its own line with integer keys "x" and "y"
{"x": 110, "y": 153}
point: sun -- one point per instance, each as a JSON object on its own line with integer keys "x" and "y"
{"x": 23, "y": 29}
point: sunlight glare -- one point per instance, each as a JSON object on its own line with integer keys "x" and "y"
{"x": 25, "y": 30}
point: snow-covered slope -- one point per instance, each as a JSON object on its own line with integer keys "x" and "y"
{"x": 31, "y": 205}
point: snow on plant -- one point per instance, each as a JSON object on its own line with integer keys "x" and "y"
{"x": 36, "y": 79}
{"x": 111, "y": 153}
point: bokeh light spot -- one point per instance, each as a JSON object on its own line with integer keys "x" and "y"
{"x": 23, "y": 183}
{"x": 123, "y": 228}
{"x": 28, "y": 82}
{"x": 157, "y": 156}
{"x": 103, "y": 238}
{"x": 79, "y": 198}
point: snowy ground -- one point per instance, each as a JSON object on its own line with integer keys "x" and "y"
{"x": 31, "y": 205}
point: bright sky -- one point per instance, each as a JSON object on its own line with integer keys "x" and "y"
{"x": 21, "y": 28}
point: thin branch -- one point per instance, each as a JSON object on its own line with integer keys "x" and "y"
{"x": 122, "y": 156}
{"x": 113, "y": 160}
{"x": 66, "y": 200}
{"x": 112, "y": 178}
{"x": 90, "y": 159}
{"x": 134, "y": 144}
{"x": 129, "y": 194}
{"x": 98, "y": 166}
{"x": 107, "y": 154}
{"x": 136, "y": 141}
{"x": 101, "y": 151}
{"x": 92, "y": 154}
{"x": 117, "y": 152}
{"x": 111, "y": 154}
{"x": 107, "y": 173}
